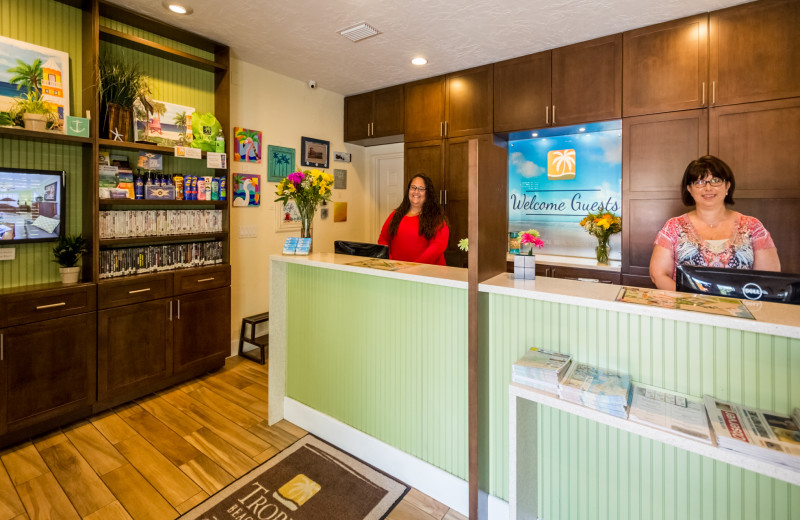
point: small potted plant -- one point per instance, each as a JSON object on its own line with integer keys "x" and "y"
{"x": 67, "y": 252}
{"x": 34, "y": 111}
{"x": 122, "y": 84}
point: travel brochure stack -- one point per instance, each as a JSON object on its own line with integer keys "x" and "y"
{"x": 541, "y": 369}
{"x": 765, "y": 435}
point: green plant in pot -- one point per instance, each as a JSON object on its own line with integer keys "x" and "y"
{"x": 122, "y": 84}
{"x": 33, "y": 112}
{"x": 67, "y": 251}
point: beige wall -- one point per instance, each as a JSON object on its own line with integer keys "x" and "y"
{"x": 285, "y": 110}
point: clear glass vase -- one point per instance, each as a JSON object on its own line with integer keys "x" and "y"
{"x": 602, "y": 250}
{"x": 306, "y": 220}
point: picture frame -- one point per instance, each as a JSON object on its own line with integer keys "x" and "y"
{"x": 246, "y": 190}
{"x": 339, "y": 179}
{"x": 314, "y": 152}
{"x": 280, "y": 162}
{"x": 341, "y": 156}
{"x": 247, "y": 145}
{"x": 282, "y": 210}
{"x": 169, "y": 125}
{"x": 50, "y": 192}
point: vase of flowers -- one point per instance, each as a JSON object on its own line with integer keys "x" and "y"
{"x": 531, "y": 237}
{"x": 307, "y": 189}
{"x": 602, "y": 225}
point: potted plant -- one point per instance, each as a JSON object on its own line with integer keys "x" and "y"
{"x": 67, "y": 252}
{"x": 34, "y": 112}
{"x": 122, "y": 84}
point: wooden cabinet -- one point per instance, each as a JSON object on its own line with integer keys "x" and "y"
{"x": 575, "y": 84}
{"x": 665, "y": 67}
{"x": 47, "y": 373}
{"x": 375, "y": 117}
{"x": 202, "y": 329}
{"x": 456, "y": 105}
{"x": 754, "y": 52}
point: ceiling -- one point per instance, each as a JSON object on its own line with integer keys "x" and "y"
{"x": 299, "y": 38}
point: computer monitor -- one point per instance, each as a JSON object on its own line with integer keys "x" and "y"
{"x": 360, "y": 249}
{"x": 744, "y": 284}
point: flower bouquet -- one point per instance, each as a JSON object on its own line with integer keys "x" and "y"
{"x": 307, "y": 189}
{"x": 602, "y": 225}
{"x": 531, "y": 237}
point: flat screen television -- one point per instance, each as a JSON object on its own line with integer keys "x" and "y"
{"x": 32, "y": 204}
{"x": 744, "y": 284}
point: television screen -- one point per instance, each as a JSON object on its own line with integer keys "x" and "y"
{"x": 739, "y": 283}
{"x": 31, "y": 205}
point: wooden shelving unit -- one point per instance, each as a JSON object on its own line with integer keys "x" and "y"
{"x": 174, "y": 204}
{"x": 111, "y": 243}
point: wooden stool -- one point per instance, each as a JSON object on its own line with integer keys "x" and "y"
{"x": 262, "y": 342}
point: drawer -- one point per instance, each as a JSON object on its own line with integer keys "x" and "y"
{"x": 193, "y": 280}
{"x": 29, "y": 307}
{"x": 136, "y": 289}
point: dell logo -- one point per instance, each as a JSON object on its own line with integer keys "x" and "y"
{"x": 752, "y": 291}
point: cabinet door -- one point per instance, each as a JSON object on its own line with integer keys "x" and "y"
{"x": 754, "y": 52}
{"x": 202, "y": 329}
{"x": 134, "y": 350}
{"x": 48, "y": 370}
{"x": 655, "y": 152}
{"x": 424, "y": 109}
{"x": 522, "y": 93}
{"x": 469, "y": 102}
{"x": 426, "y": 157}
{"x": 587, "y": 81}
{"x": 665, "y": 67}
{"x": 388, "y": 111}
{"x": 456, "y": 198}
{"x": 357, "y": 117}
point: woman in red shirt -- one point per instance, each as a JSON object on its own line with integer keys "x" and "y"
{"x": 417, "y": 230}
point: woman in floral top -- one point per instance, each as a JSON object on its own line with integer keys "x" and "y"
{"x": 710, "y": 235}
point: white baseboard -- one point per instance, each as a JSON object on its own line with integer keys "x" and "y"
{"x": 434, "y": 482}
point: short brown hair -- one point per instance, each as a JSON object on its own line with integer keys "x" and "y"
{"x": 702, "y": 168}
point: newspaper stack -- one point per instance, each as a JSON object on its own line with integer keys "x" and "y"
{"x": 597, "y": 388}
{"x": 769, "y": 436}
{"x": 541, "y": 369}
{"x": 668, "y": 411}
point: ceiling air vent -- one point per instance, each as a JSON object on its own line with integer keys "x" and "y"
{"x": 359, "y": 32}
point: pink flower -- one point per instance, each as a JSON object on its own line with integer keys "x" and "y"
{"x": 297, "y": 178}
{"x": 528, "y": 238}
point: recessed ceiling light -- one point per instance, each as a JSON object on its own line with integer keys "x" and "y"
{"x": 419, "y": 61}
{"x": 178, "y": 8}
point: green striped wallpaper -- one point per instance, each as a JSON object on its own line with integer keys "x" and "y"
{"x": 385, "y": 356}
{"x": 592, "y": 471}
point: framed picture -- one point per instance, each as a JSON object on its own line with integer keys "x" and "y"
{"x": 50, "y": 192}
{"x": 339, "y": 179}
{"x": 19, "y": 57}
{"x": 287, "y": 218}
{"x": 341, "y": 156}
{"x": 248, "y": 145}
{"x": 246, "y": 190}
{"x": 280, "y": 163}
{"x": 314, "y": 152}
{"x": 168, "y": 125}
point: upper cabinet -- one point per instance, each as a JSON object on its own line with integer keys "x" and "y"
{"x": 374, "y": 117}
{"x": 456, "y": 105}
{"x": 665, "y": 67}
{"x": 755, "y": 52}
{"x": 575, "y": 84}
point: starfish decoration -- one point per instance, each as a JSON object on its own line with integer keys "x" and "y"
{"x": 117, "y": 135}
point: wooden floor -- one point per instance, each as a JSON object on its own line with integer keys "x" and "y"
{"x": 160, "y": 456}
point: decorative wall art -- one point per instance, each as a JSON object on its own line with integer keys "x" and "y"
{"x": 246, "y": 190}
{"x": 248, "y": 145}
{"x": 280, "y": 163}
{"x": 287, "y": 217}
{"x": 33, "y": 68}
{"x": 340, "y": 212}
{"x": 341, "y": 156}
{"x": 168, "y": 125}
{"x": 314, "y": 152}
{"x": 340, "y": 179}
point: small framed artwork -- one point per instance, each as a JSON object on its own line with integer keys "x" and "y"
{"x": 246, "y": 190}
{"x": 50, "y": 191}
{"x": 315, "y": 152}
{"x": 280, "y": 163}
{"x": 341, "y": 156}
{"x": 340, "y": 212}
{"x": 339, "y": 179}
{"x": 287, "y": 218}
{"x": 248, "y": 145}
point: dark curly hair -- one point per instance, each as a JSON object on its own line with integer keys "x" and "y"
{"x": 432, "y": 216}
{"x": 705, "y": 166}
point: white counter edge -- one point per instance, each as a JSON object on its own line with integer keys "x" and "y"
{"x": 771, "y": 318}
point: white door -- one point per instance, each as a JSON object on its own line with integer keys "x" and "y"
{"x": 389, "y": 172}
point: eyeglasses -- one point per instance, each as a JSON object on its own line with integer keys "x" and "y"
{"x": 420, "y": 189}
{"x": 714, "y": 182}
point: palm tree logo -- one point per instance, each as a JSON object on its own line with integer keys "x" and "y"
{"x": 28, "y": 76}
{"x": 560, "y": 165}
{"x": 296, "y": 492}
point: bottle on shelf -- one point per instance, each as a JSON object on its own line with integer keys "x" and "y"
{"x": 223, "y": 188}
{"x": 201, "y": 188}
{"x": 215, "y": 188}
{"x": 138, "y": 185}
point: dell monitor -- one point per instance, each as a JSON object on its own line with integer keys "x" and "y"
{"x": 31, "y": 205}
{"x": 768, "y": 286}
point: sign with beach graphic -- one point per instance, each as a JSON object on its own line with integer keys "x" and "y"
{"x": 557, "y": 177}
{"x": 25, "y": 68}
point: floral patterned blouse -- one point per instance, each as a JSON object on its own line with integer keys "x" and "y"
{"x": 737, "y": 252}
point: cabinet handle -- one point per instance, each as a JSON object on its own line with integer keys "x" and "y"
{"x": 205, "y": 280}
{"x": 170, "y": 310}
{"x": 2, "y": 348}
{"x": 139, "y": 291}
{"x": 703, "y": 98}
{"x": 440, "y": 197}
{"x": 554, "y": 114}
{"x": 41, "y": 307}
{"x": 179, "y": 309}
{"x": 713, "y": 92}
{"x": 547, "y": 114}
{"x": 445, "y": 197}
{"x": 445, "y": 134}
{"x": 441, "y": 129}
{"x": 368, "y": 129}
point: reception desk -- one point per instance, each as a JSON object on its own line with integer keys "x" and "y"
{"x": 376, "y": 362}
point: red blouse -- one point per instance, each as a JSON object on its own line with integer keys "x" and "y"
{"x": 408, "y": 245}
